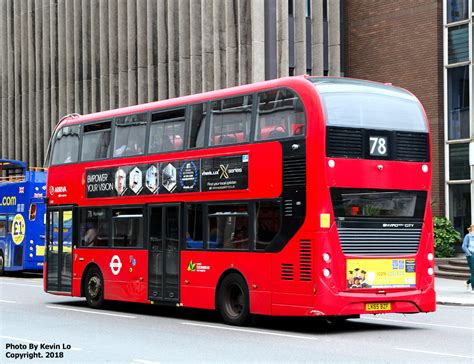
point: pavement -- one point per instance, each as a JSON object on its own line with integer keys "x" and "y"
{"x": 453, "y": 292}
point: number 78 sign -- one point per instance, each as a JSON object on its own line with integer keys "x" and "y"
{"x": 378, "y": 146}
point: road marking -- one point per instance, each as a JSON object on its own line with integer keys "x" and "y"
{"x": 435, "y": 353}
{"x": 32, "y": 341}
{"x": 21, "y": 284}
{"x": 251, "y": 331}
{"x": 146, "y": 361}
{"x": 92, "y": 312}
{"x": 5, "y": 301}
{"x": 418, "y": 323}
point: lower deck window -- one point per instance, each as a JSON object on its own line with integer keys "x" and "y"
{"x": 93, "y": 228}
{"x": 228, "y": 227}
{"x": 127, "y": 228}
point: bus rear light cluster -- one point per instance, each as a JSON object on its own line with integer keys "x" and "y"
{"x": 430, "y": 271}
{"x": 326, "y": 257}
{"x": 331, "y": 163}
{"x": 424, "y": 168}
{"x": 326, "y": 272}
{"x": 430, "y": 257}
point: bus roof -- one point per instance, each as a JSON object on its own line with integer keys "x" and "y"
{"x": 11, "y": 165}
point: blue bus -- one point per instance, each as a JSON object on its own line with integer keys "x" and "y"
{"x": 22, "y": 217}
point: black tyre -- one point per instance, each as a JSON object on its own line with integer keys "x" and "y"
{"x": 94, "y": 288}
{"x": 233, "y": 300}
{"x": 2, "y": 264}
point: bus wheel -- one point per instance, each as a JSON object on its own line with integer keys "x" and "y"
{"x": 94, "y": 288}
{"x": 233, "y": 300}
{"x": 2, "y": 264}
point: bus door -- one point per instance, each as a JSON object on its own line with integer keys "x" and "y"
{"x": 59, "y": 224}
{"x": 163, "y": 253}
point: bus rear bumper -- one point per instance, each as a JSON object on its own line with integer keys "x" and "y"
{"x": 349, "y": 303}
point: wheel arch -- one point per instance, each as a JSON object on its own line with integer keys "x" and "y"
{"x": 221, "y": 278}
{"x": 84, "y": 275}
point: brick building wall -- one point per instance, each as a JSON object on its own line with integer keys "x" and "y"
{"x": 400, "y": 41}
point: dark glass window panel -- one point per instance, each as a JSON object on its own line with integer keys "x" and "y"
{"x": 3, "y": 226}
{"x": 459, "y": 162}
{"x": 280, "y": 115}
{"x": 230, "y": 120}
{"x": 362, "y": 104}
{"x": 458, "y": 44}
{"x": 458, "y": 103}
{"x": 194, "y": 233}
{"x": 167, "y": 131}
{"x": 460, "y": 207}
{"x": 457, "y": 10}
{"x": 198, "y": 125}
{"x": 228, "y": 227}
{"x": 66, "y": 145}
{"x": 268, "y": 223}
{"x": 366, "y": 203}
{"x": 127, "y": 228}
{"x": 93, "y": 227}
{"x": 96, "y": 141}
{"x": 130, "y": 134}
{"x": 155, "y": 224}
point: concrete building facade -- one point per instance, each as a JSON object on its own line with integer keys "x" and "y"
{"x": 68, "y": 56}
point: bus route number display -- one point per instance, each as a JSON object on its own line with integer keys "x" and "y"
{"x": 378, "y": 146}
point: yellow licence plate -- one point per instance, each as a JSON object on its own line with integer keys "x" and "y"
{"x": 378, "y": 307}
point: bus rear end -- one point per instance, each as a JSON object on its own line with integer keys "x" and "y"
{"x": 376, "y": 253}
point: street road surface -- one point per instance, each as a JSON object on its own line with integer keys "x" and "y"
{"x": 65, "y": 330}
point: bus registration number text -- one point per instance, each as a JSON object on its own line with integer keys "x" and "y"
{"x": 378, "y": 306}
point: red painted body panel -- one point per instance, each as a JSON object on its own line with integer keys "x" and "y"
{"x": 269, "y": 293}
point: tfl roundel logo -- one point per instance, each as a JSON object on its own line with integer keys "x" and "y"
{"x": 51, "y": 190}
{"x": 115, "y": 265}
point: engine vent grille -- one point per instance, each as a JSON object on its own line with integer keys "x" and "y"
{"x": 412, "y": 147}
{"x": 287, "y": 272}
{"x": 344, "y": 143}
{"x": 294, "y": 172}
{"x": 389, "y": 239}
{"x": 305, "y": 261}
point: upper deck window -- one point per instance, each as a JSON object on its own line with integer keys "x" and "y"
{"x": 96, "y": 141}
{"x": 166, "y": 131}
{"x": 361, "y": 104}
{"x": 230, "y": 120}
{"x": 280, "y": 115}
{"x": 66, "y": 145}
{"x": 130, "y": 134}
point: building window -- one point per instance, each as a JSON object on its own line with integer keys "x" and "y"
{"x": 460, "y": 206}
{"x": 130, "y": 135}
{"x": 458, "y": 103}
{"x": 458, "y": 44}
{"x": 459, "y": 162}
{"x": 457, "y": 10}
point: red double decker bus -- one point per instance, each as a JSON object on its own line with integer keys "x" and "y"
{"x": 301, "y": 196}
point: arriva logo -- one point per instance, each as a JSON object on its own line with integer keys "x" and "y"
{"x": 59, "y": 189}
{"x": 9, "y": 201}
